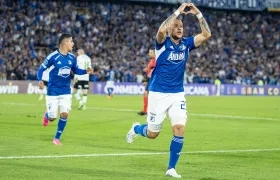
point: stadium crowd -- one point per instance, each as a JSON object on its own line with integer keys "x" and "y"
{"x": 244, "y": 47}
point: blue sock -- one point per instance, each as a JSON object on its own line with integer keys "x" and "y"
{"x": 60, "y": 127}
{"x": 46, "y": 115}
{"x": 110, "y": 90}
{"x": 175, "y": 149}
{"x": 141, "y": 129}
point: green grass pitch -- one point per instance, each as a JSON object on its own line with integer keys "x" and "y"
{"x": 227, "y": 138}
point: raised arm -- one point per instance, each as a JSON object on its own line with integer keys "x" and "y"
{"x": 206, "y": 32}
{"x": 163, "y": 29}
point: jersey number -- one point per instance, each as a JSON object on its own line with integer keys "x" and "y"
{"x": 183, "y": 105}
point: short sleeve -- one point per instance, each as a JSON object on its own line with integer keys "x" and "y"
{"x": 159, "y": 46}
{"x": 190, "y": 43}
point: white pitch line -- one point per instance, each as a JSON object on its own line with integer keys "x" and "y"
{"x": 136, "y": 154}
{"x": 233, "y": 117}
{"x": 191, "y": 114}
{"x": 196, "y": 114}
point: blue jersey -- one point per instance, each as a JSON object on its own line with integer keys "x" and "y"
{"x": 171, "y": 59}
{"x": 60, "y": 67}
{"x": 111, "y": 75}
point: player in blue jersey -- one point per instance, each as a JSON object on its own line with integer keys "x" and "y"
{"x": 110, "y": 82}
{"x": 59, "y": 63}
{"x": 166, "y": 90}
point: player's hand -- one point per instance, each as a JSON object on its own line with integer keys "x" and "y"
{"x": 89, "y": 70}
{"x": 191, "y": 9}
{"x": 41, "y": 85}
{"x": 182, "y": 8}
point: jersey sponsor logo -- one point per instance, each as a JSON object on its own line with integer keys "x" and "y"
{"x": 64, "y": 71}
{"x": 173, "y": 56}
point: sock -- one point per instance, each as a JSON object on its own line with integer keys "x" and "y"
{"x": 145, "y": 104}
{"x": 110, "y": 90}
{"x": 175, "y": 149}
{"x": 45, "y": 90}
{"x": 84, "y": 98}
{"x": 42, "y": 92}
{"x": 46, "y": 115}
{"x": 141, "y": 129}
{"x": 60, "y": 127}
{"x": 77, "y": 96}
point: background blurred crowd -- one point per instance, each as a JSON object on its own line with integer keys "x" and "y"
{"x": 244, "y": 47}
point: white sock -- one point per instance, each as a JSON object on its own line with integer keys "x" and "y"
{"x": 42, "y": 92}
{"x": 77, "y": 96}
{"x": 84, "y": 99}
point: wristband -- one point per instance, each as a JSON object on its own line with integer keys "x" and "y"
{"x": 177, "y": 13}
{"x": 199, "y": 15}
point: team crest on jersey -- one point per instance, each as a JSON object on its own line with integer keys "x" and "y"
{"x": 64, "y": 71}
{"x": 69, "y": 62}
{"x": 182, "y": 47}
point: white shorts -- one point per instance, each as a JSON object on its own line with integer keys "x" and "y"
{"x": 174, "y": 104}
{"x": 62, "y": 101}
{"x": 110, "y": 83}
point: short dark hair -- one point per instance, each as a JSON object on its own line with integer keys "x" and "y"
{"x": 62, "y": 37}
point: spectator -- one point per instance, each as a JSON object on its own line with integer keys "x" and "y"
{"x": 244, "y": 45}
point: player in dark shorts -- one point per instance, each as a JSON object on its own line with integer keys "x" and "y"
{"x": 149, "y": 70}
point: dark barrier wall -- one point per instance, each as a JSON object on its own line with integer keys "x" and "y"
{"x": 23, "y": 87}
{"x": 193, "y": 89}
{"x": 30, "y": 87}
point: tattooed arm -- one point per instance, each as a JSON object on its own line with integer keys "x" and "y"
{"x": 163, "y": 29}
{"x": 206, "y": 32}
{"x": 204, "y": 35}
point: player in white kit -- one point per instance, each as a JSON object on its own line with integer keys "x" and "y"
{"x": 82, "y": 81}
{"x": 166, "y": 90}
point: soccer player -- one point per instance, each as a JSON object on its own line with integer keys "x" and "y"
{"x": 60, "y": 64}
{"x": 149, "y": 71}
{"x": 166, "y": 91}
{"x": 110, "y": 82}
{"x": 82, "y": 81}
{"x": 45, "y": 79}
